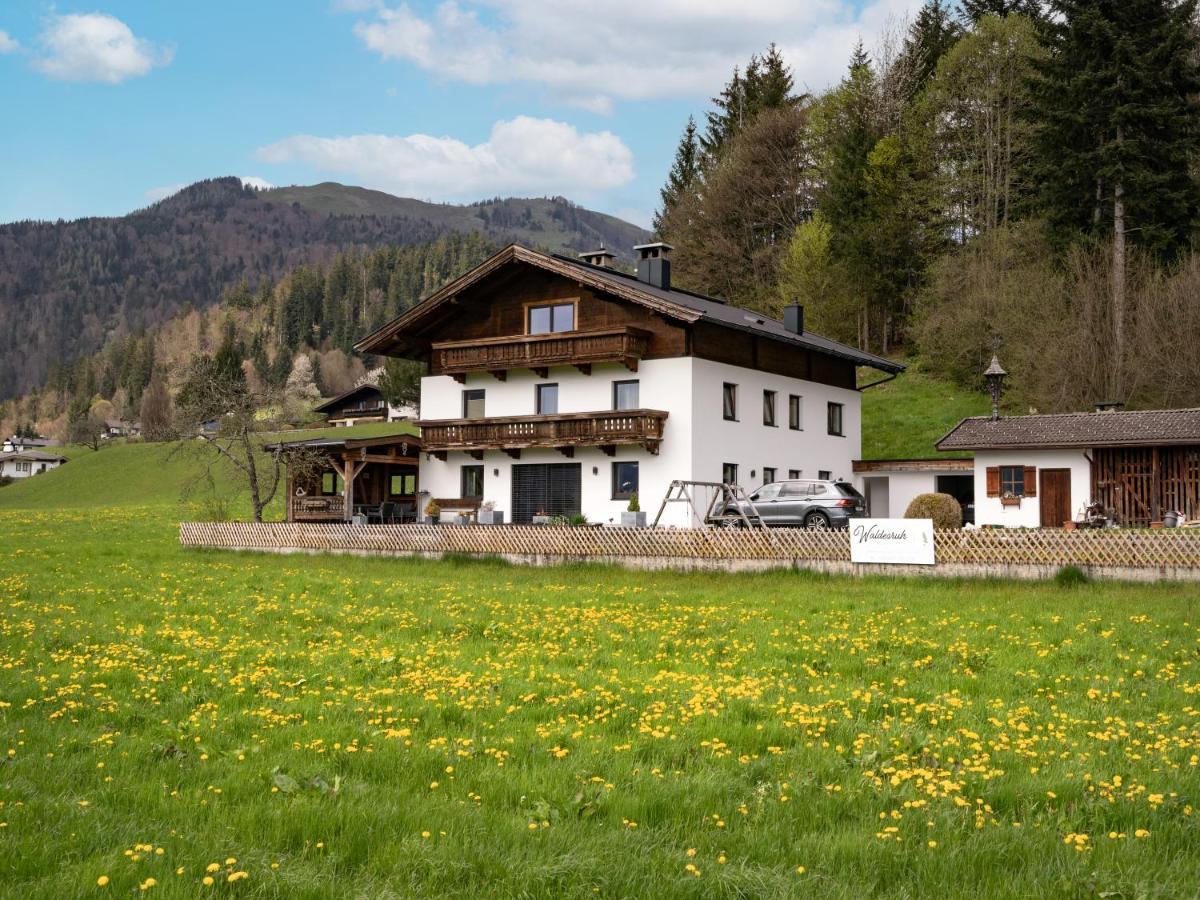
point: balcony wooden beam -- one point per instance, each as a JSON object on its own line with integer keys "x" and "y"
{"x": 567, "y": 451}
{"x": 499, "y": 374}
{"x": 585, "y": 368}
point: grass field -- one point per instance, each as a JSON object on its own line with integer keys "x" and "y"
{"x": 308, "y": 726}
{"x": 902, "y": 419}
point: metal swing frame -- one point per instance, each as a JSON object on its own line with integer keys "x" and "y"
{"x": 725, "y": 497}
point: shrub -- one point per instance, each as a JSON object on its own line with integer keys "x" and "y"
{"x": 1070, "y": 576}
{"x": 634, "y": 505}
{"x": 942, "y": 508}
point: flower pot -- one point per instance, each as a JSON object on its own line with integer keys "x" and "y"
{"x": 462, "y": 519}
{"x": 358, "y": 519}
{"x": 491, "y": 517}
{"x": 1069, "y": 526}
{"x": 430, "y": 520}
{"x": 542, "y": 520}
{"x": 1010, "y": 501}
{"x": 633, "y": 519}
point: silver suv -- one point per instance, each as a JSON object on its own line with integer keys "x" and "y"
{"x": 807, "y": 504}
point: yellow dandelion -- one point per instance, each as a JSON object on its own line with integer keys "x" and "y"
{"x": 102, "y": 880}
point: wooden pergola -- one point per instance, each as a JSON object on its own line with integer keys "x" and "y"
{"x": 350, "y": 474}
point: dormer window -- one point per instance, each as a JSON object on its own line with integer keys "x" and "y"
{"x": 551, "y": 318}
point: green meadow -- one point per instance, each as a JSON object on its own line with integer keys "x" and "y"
{"x": 179, "y": 723}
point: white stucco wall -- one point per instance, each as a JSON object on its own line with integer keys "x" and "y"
{"x": 9, "y": 467}
{"x": 697, "y": 441}
{"x": 990, "y": 511}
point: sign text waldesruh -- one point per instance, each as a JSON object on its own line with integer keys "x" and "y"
{"x": 901, "y": 541}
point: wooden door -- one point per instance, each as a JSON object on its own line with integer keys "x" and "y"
{"x": 1055, "y": 493}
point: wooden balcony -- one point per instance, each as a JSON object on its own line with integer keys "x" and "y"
{"x": 538, "y": 352}
{"x": 563, "y": 432}
{"x": 316, "y": 509}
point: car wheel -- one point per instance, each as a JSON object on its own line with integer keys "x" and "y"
{"x": 816, "y": 521}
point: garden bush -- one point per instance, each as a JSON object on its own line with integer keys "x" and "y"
{"x": 942, "y": 508}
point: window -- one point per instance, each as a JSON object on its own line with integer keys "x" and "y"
{"x": 824, "y": 475}
{"x": 472, "y": 481}
{"x": 795, "y": 412}
{"x": 729, "y": 401}
{"x": 769, "y": 408}
{"x": 624, "y": 480}
{"x": 626, "y": 395}
{"x": 729, "y": 473}
{"x": 1012, "y": 481}
{"x": 24, "y": 465}
{"x": 768, "y": 474}
{"x": 796, "y": 490}
{"x": 766, "y": 492}
{"x": 835, "y": 419}
{"x": 331, "y": 483}
{"x": 473, "y": 404}
{"x": 793, "y": 474}
{"x": 551, "y": 319}
{"x": 546, "y": 399}
{"x": 402, "y": 485}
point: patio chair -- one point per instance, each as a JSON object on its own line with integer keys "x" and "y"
{"x": 387, "y": 512}
{"x": 406, "y": 512}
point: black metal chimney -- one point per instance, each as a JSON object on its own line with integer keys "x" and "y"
{"x": 654, "y": 264}
{"x": 793, "y": 317}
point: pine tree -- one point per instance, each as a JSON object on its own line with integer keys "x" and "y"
{"x": 974, "y": 10}
{"x": 766, "y": 84}
{"x": 1118, "y": 128}
{"x": 682, "y": 177}
{"x": 932, "y": 33}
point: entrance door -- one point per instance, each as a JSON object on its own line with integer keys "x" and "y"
{"x": 1055, "y": 497}
{"x": 552, "y": 489}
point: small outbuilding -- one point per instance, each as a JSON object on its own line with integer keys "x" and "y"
{"x": 1042, "y": 470}
{"x": 890, "y": 485}
{"x": 26, "y": 463}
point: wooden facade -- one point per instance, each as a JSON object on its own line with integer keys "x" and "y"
{"x": 1141, "y": 484}
{"x": 625, "y": 345}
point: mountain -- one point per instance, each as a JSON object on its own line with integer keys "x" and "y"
{"x": 69, "y": 288}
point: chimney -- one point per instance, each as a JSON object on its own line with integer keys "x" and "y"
{"x": 602, "y": 258}
{"x": 1109, "y": 406}
{"x": 793, "y": 317}
{"x": 654, "y": 264}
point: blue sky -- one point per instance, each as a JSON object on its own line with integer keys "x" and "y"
{"x": 113, "y": 103}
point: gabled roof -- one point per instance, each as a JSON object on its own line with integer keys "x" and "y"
{"x": 33, "y": 456}
{"x": 1133, "y": 428}
{"x": 681, "y": 305}
{"x": 346, "y": 395}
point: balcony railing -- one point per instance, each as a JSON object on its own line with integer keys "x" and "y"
{"x": 624, "y": 345}
{"x": 564, "y": 431}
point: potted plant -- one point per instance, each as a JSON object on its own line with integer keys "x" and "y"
{"x": 489, "y": 515}
{"x": 540, "y": 518}
{"x": 462, "y": 517}
{"x": 633, "y": 517}
{"x": 433, "y": 512}
{"x": 1008, "y": 498}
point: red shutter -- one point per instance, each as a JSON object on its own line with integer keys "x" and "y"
{"x": 1030, "y": 481}
{"x": 993, "y": 481}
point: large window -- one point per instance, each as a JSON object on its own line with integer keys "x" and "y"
{"x": 796, "y": 412}
{"x": 473, "y": 404}
{"x": 768, "y": 474}
{"x": 546, "y": 399}
{"x": 835, "y": 419}
{"x": 472, "y": 481}
{"x": 331, "y": 484}
{"x": 551, "y": 319}
{"x": 729, "y": 401}
{"x": 626, "y": 395}
{"x": 769, "y": 408}
{"x": 729, "y": 473}
{"x": 624, "y": 480}
{"x": 1012, "y": 481}
{"x": 402, "y": 485}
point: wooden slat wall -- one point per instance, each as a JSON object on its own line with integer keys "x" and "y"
{"x": 1140, "y": 484}
{"x": 1119, "y": 548}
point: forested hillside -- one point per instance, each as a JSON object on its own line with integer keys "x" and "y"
{"x": 1008, "y": 176}
{"x": 69, "y": 289}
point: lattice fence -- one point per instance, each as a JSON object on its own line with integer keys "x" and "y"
{"x": 1165, "y": 549}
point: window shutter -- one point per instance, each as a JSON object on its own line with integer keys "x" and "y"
{"x": 1030, "y": 481}
{"x": 993, "y": 481}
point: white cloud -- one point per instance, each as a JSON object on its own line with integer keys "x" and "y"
{"x": 8, "y": 44}
{"x": 521, "y": 156}
{"x": 95, "y": 47}
{"x": 259, "y": 184}
{"x": 162, "y": 193}
{"x": 587, "y": 54}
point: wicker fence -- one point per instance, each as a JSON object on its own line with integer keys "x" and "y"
{"x": 1166, "y": 553}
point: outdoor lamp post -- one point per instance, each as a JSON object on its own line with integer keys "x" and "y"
{"x": 995, "y": 376}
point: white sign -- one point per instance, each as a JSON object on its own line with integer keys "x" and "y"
{"x": 904, "y": 541}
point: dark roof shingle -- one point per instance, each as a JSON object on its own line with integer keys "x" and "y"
{"x": 1148, "y": 427}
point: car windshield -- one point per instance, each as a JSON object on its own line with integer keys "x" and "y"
{"x": 848, "y": 490}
